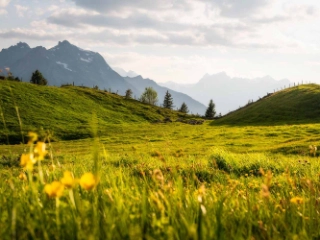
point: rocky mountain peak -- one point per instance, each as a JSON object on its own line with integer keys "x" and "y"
{"x": 22, "y": 45}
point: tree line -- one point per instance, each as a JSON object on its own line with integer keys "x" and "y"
{"x": 150, "y": 96}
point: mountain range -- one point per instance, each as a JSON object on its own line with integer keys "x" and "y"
{"x": 69, "y": 64}
{"x": 229, "y": 93}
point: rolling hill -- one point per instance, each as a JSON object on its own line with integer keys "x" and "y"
{"x": 67, "y": 111}
{"x": 299, "y": 104}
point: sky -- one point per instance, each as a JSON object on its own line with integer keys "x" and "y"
{"x": 178, "y": 40}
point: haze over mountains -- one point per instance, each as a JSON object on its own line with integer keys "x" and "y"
{"x": 124, "y": 73}
{"x": 229, "y": 93}
{"x": 178, "y": 97}
{"x": 67, "y": 63}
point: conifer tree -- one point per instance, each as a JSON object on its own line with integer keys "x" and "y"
{"x": 168, "y": 101}
{"x": 37, "y": 78}
{"x": 128, "y": 94}
{"x": 210, "y": 112}
{"x": 184, "y": 108}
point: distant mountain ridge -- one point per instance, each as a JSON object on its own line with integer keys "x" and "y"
{"x": 62, "y": 64}
{"x": 229, "y": 93}
{"x": 68, "y": 64}
{"x": 124, "y": 73}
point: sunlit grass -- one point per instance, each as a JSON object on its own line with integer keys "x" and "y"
{"x": 169, "y": 183}
{"x": 137, "y": 180}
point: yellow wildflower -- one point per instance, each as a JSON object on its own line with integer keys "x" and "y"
{"x": 296, "y": 200}
{"x": 32, "y": 137}
{"x": 40, "y": 150}
{"x": 27, "y": 161}
{"x": 68, "y": 181}
{"x": 55, "y": 189}
{"x": 88, "y": 181}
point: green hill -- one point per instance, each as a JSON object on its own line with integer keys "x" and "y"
{"x": 68, "y": 111}
{"x": 300, "y": 104}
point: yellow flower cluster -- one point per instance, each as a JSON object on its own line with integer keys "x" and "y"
{"x": 68, "y": 180}
{"x": 37, "y": 152}
{"x": 27, "y": 160}
{"x": 296, "y": 200}
{"x": 55, "y": 190}
{"x": 88, "y": 181}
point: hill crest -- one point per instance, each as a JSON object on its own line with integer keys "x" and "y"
{"x": 298, "y": 104}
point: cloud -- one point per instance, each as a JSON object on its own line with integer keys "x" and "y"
{"x": 145, "y": 28}
{"x": 138, "y": 20}
{"x": 246, "y": 24}
{"x": 238, "y": 9}
{"x": 301, "y": 10}
{"x": 111, "y": 5}
{"x": 32, "y": 34}
{"x": 3, "y": 12}
{"x": 227, "y": 8}
{"x": 21, "y": 10}
{"x": 4, "y": 3}
{"x": 291, "y": 12}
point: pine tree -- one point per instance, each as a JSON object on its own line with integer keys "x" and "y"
{"x": 38, "y": 79}
{"x": 210, "y": 112}
{"x": 149, "y": 96}
{"x": 184, "y": 108}
{"x": 128, "y": 94}
{"x": 168, "y": 101}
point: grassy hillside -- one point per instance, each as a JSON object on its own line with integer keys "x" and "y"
{"x": 300, "y": 104}
{"x": 68, "y": 111}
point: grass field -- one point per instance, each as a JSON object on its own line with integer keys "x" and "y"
{"x": 138, "y": 180}
{"x": 170, "y": 181}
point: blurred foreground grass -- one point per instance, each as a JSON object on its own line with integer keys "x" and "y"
{"x": 168, "y": 181}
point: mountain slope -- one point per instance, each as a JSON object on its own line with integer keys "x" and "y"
{"x": 178, "y": 98}
{"x": 228, "y": 93}
{"x": 300, "y": 104}
{"x": 69, "y": 64}
{"x": 67, "y": 111}
{"x": 62, "y": 64}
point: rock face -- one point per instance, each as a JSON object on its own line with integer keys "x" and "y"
{"x": 68, "y": 64}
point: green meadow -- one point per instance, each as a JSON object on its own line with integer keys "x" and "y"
{"x": 221, "y": 180}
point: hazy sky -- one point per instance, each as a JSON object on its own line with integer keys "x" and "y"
{"x": 178, "y": 40}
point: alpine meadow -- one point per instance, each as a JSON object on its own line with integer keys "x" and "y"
{"x": 159, "y": 120}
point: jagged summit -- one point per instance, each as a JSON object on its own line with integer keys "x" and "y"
{"x": 64, "y": 42}
{"x": 22, "y": 45}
